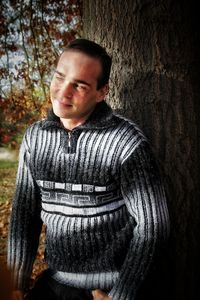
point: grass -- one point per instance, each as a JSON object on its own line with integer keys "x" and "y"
{"x": 8, "y": 171}
{"x": 7, "y": 164}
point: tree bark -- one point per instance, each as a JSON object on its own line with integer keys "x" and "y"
{"x": 155, "y": 82}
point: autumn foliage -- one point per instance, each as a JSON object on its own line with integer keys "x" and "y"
{"x": 32, "y": 35}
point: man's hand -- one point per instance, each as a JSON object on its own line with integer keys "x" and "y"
{"x": 99, "y": 295}
{"x": 17, "y": 295}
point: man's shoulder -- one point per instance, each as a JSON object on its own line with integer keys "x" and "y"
{"x": 35, "y": 127}
{"x": 128, "y": 125}
{"x": 123, "y": 119}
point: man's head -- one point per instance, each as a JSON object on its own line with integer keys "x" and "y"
{"x": 80, "y": 81}
{"x": 94, "y": 50}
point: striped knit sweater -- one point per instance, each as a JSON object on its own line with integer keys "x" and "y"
{"x": 98, "y": 191}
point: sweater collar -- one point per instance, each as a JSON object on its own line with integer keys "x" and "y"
{"x": 102, "y": 117}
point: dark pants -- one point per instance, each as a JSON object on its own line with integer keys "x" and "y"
{"x": 46, "y": 288}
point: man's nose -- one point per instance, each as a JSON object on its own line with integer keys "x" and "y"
{"x": 67, "y": 90}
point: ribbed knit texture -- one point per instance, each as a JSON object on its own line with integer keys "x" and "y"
{"x": 99, "y": 193}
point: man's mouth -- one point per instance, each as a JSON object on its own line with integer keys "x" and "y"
{"x": 63, "y": 103}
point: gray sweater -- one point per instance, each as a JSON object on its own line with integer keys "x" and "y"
{"x": 98, "y": 191}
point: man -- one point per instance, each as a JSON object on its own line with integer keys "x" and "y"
{"x": 90, "y": 177}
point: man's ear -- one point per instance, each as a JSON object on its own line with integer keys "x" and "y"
{"x": 102, "y": 92}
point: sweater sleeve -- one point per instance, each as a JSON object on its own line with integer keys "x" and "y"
{"x": 25, "y": 222}
{"x": 144, "y": 196}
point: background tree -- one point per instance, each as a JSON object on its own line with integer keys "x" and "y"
{"x": 32, "y": 33}
{"x": 155, "y": 81}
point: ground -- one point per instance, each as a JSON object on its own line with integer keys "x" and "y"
{"x": 8, "y": 169}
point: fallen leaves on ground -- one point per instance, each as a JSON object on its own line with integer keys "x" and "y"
{"x": 5, "y": 209}
{"x": 7, "y": 182}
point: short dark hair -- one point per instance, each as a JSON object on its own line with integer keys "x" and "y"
{"x": 92, "y": 49}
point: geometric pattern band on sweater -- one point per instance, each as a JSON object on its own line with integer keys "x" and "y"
{"x": 98, "y": 191}
{"x": 63, "y": 203}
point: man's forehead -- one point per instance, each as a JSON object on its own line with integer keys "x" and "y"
{"x": 76, "y": 61}
{"x": 70, "y": 55}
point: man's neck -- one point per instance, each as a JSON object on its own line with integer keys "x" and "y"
{"x": 70, "y": 124}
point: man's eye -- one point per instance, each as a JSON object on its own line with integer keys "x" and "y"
{"x": 75, "y": 85}
{"x": 79, "y": 87}
{"x": 82, "y": 87}
{"x": 59, "y": 78}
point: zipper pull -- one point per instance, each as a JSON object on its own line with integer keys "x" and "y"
{"x": 69, "y": 140}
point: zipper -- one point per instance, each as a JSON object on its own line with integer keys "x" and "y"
{"x": 69, "y": 140}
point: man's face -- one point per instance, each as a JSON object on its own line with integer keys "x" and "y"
{"x": 73, "y": 89}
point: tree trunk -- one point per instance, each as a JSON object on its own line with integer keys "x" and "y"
{"x": 155, "y": 82}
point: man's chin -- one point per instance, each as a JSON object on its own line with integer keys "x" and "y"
{"x": 62, "y": 114}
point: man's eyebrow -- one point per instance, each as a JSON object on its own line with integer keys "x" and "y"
{"x": 82, "y": 82}
{"x": 59, "y": 73}
{"x": 76, "y": 80}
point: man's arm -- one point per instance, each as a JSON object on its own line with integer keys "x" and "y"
{"x": 17, "y": 295}
{"x": 25, "y": 223}
{"x": 100, "y": 295}
{"x": 144, "y": 196}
